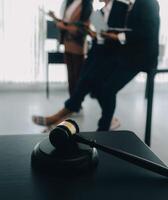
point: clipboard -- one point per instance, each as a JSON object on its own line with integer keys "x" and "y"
{"x": 119, "y": 30}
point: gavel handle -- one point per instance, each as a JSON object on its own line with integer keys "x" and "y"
{"x": 136, "y": 160}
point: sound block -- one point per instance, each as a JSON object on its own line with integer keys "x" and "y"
{"x": 81, "y": 158}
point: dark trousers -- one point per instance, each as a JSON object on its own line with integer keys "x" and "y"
{"x": 74, "y": 65}
{"x": 104, "y": 75}
{"x": 118, "y": 78}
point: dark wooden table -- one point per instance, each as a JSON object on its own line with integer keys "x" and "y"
{"x": 113, "y": 178}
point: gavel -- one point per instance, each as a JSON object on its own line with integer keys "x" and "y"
{"x": 66, "y": 135}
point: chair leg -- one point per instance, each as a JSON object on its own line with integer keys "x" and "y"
{"x": 47, "y": 81}
{"x": 147, "y": 87}
{"x": 151, "y": 77}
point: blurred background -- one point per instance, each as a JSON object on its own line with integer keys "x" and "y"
{"x": 23, "y": 33}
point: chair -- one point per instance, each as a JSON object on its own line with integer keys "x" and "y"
{"x": 56, "y": 57}
{"x": 149, "y": 93}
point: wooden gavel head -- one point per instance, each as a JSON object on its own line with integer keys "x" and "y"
{"x": 61, "y": 136}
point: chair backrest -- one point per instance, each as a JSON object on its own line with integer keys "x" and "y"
{"x": 52, "y": 31}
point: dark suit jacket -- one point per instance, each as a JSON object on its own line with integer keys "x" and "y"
{"x": 141, "y": 48}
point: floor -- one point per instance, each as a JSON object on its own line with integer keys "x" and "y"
{"x": 17, "y": 107}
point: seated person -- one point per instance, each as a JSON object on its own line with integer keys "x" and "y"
{"x": 111, "y": 65}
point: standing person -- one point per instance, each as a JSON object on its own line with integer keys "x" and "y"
{"x": 121, "y": 57}
{"x": 74, "y": 38}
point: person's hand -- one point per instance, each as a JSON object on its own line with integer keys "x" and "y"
{"x": 72, "y": 29}
{"x": 51, "y": 14}
{"x": 112, "y": 36}
{"x": 93, "y": 34}
{"x": 61, "y": 25}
